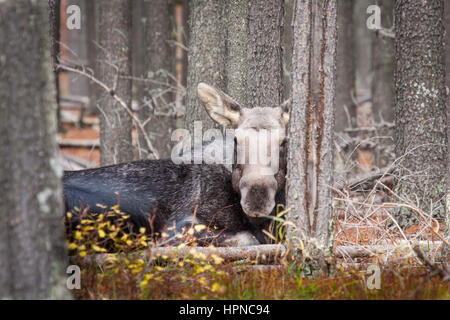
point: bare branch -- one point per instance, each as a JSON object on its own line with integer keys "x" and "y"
{"x": 119, "y": 100}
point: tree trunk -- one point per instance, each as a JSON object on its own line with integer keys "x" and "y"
{"x": 383, "y": 67}
{"x": 206, "y": 56}
{"x": 254, "y": 52}
{"x": 237, "y": 39}
{"x": 114, "y": 27}
{"x": 264, "y": 77}
{"x": 421, "y": 114}
{"x": 345, "y": 69}
{"x": 362, "y": 49}
{"x": 157, "y": 102}
{"x": 32, "y": 243}
{"x": 54, "y": 7}
{"x": 310, "y": 151}
{"x": 447, "y": 75}
{"x": 91, "y": 39}
{"x": 287, "y": 39}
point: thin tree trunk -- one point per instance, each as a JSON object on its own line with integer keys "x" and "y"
{"x": 345, "y": 109}
{"x": 447, "y": 74}
{"x": 383, "y": 67}
{"x": 32, "y": 245}
{"x": 91, "y": 36}
{"x": 114, "y": 27}
{"x": 206, "y": 56}
{"x": 310, "y": 151}
{"x": 54, "y": 7}
{"x": 158, "y": 98}
{"x": 237, "y": 39}
{"x": 362, "y": 49}
{"x": 362, "y": 54}
{"x": 264, "y": 77}
{"x": 421, "y": 114}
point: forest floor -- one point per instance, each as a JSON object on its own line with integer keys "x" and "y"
{"x": 362, "y": 220}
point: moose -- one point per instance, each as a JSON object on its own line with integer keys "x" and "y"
{"x": 166, "y": 197}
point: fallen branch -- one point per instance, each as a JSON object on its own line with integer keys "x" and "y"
{"x": 267, "y": 253}
{"x": 382, "y": 249}
{"x": 257, "y": 267}
{"x": 260, "y": 254}
{"x": 365, "y": 178}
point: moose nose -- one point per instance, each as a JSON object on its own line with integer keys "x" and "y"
{"x": 257, "y": 200}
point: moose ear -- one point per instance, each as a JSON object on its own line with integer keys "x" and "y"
{"x": 285, "y": 110}
{"x": 220, "y": 107}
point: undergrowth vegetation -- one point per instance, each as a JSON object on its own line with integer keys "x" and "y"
{"x": 135, "y": 271}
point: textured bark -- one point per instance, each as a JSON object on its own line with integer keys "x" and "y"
{"x": 158, "y": 98}
{"x": 237, "y": 39}
{"x": 447, "y": 80}
{"x": 421, "y": 114}
{"x": 383, "y": 67}
{"x": 264, "y": 77}
{"x": 114, "y": 27}
{"x": 206, "y": 56}
{"x": 254, "y": 52}
{"x": 310, "y": 151}
{"x": 345, "y": 67}
{"x": 32, "y": 244}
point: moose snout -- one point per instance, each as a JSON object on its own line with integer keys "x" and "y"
{"x": 258, "y": 199}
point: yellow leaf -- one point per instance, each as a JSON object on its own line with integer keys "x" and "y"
{"x": 199, "y": 227}
{"x": 98, "y": 249}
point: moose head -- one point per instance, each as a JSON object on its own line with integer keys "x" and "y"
{"x": 259, "y": 166}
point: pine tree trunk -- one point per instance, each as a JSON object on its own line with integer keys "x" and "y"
{"x": 54, "y": 7}
{"x": 345, "y": 68}
{"x": 286, "y": 42}
{"x": 157, "y": 102}
{"x": 362, "y": 49}
{"x": 32, "y": 244}
{"x": 206, "y": 56}
{"x": 447, "y": 80}
{"x": 421, "y": 114}
{"x": 362, "y": 54}
{"x": 237, "y": 39}
{"x": 91, "y": 39}
{"x": 254, "y": 52}
{"x": 383, "y": 67}
{"x": 114, "y": 27}
{"x": 310, "y": 151}
{"x": 264, "y": 77}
